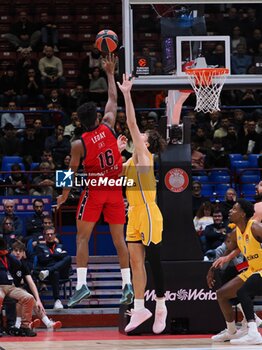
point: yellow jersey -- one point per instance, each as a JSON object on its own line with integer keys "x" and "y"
{"x": 250, "y": 247}
{"x": 144, "y": 189}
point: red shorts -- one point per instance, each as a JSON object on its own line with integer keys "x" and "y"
{"x": 110, "y": 203}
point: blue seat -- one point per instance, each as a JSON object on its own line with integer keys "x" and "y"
{"x": 249, "y": 172}
{"x": 248, "y": 189}
{"x": 221, "y": 189}
{"x": 235, "y": 156}
{"x": 245, "y": 178}
{"x": 10, "y": 160}
{"x": 203, "y": 178}
{"x": 8, "y": 167}
{"x": 239, "y": 165}
{"x": 253, "y": 160}
{"x": 207, "y": 190}
{"x": 220, "y": 178}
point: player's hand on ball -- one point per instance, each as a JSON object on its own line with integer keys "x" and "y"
{"x": 109, "y": 63}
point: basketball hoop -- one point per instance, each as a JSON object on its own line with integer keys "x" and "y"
{"x": 207, "y": 84}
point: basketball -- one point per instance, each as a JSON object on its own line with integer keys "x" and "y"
{"x": 106, "y": 41}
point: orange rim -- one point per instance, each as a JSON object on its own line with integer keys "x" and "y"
{"x": 203, "y": 76}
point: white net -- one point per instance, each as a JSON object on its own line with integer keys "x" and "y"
{"x": 207, "y": 84}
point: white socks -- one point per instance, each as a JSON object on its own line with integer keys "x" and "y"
{"x": 81, "y": 277}
{"x": 160, "y": 303}
{"x": 46, "y": 321}
{"x": 126, "y": 276}
{"x": 18, "y": 322}
{"x": 252, "y": 327}
{"x": 139, "y": 304}
{"x": 231, "y": 326}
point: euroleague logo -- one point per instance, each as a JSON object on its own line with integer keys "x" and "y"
{"x": 176, "y": 180}
{"x": 142, "y": 62}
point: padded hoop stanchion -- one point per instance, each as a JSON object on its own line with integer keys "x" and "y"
{"x": 207, "y": 84}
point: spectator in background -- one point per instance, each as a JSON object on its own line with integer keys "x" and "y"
{"x": 24, "y": 63}
{"x": 203, "y": 143}
{"x": 197, "y": 158}
{"x": 77, "y": 97}
{"x": 58, "y": 97}
{"x": 69, "y": 129}
{"x": 237, "y": 38}
{"x": 223, "y": 127}
{"x": 217, "y": 57}
{"x": 229, "y": 200}
{"x": 197, "y": 197}
{"x": 254, "y": 42}
{"x": 25, "y": 280}
{"x": 97, "y": 91}
{"x": 251, "y": 142}
{"x": 213, "y": 124}
{"x": 31, "y": 89}
{"x": 32, "y": 146}
{"x": 10, "y": 145}
{"x": 248, "y": 98}
{"x": 238, "y": 120}
{"x": 8, "y": 231}
{"x": 23, "y": 35}
{"x": 9, "y": 87}
{"x": 58, "y": 144}
{"x": 49, "y": 32}
{"x": 34, "y": 223}
{"x": 214, "y": 234}
{"x": 160, "y": 99}
{"x": 250, "y": 22}
{"x": 17, "y": 181}
{"x": 121, "y": 127}
{"x": 217, "y": 157}
{"x": 9, "y": 208}
{"x": 16, "y": 119}
{"x": 43, "y": 184}
{"x": 229, "y": 21}
{"x": 152, "y": 120}
{"x": 53, "y": 263}
{"x": 240, "y": 61}
{"x": 10, "y": 268}
{"x": 93, "y": 59}
{"x": 203, "y": 217}
{"x": 47, "y": 157}
{"x": 51, "y": 69}
{"x": 231, "y": 141}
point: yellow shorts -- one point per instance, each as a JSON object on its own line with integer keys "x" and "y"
{"x": 145, "y": 223}
{"x": 246, "y": 274}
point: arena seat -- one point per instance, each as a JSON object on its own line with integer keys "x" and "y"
{"x": 246, "y": 178}
{"x": 200, "y": 178}
{"x": 239, "y": 165}
{"x": 253, "y": 160}
{"x": 220, "y": 178}
{"x": 10, "y": 160}
{"x": 235, "y": 156}
{"x": 207, "y": 190}
{"x": 221, "y": 189}
{"x": 248, "y": 189}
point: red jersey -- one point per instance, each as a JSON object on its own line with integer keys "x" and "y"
{"x": 102, "y": 157}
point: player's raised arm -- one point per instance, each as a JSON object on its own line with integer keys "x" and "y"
{"x": 137, "y": 137}
{"x": 77, "y": 151}
{"x": 109, "y": 64}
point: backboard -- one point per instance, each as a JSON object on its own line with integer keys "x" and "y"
{"x": 167, "y": 30}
